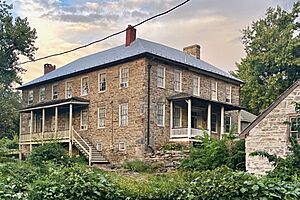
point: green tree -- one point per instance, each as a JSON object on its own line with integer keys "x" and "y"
{"x": 16, "y": 39}
{"x": 272, "y": 61}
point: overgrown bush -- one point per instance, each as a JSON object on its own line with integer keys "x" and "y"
{"x": 212, "y": 153}
{"x": 141, "y": 166}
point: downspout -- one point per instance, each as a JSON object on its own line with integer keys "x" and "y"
{"x": 148, "y": 107}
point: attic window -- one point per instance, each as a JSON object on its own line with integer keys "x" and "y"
{"x": 295, "y": 127}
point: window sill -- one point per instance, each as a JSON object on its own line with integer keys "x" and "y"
{"x": 161, "y": 87}
{"x": 100, "y": 92}
{"x": 83, "y": 95}
{"x": 101, "y": 128}
{"x": 83, "y": 129}
{"x": 161, "y": 126}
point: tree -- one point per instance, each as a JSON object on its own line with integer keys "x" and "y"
{"x": 272, "y": 61}
{"x": 16, "y": 39}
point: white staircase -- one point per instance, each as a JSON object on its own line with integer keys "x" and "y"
{"x": 87, "y": 149}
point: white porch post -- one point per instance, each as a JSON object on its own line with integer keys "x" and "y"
{"x": 222, "y": 120}
{"x": 239, "y": 122}
{"x": 30, "y": 130}
{"x": 209, "y": 118}
{"x": 70, "y": 129}
{"x": 189, "y": 118}
{"x": 171, "y": 118}
{"x": 20, "y": 132}
{"x": 56, "y": 121}
{"x": 43, "y": 124}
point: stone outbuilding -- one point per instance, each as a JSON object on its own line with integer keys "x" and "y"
{"x": 269, "y": 131}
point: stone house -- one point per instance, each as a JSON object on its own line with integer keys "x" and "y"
{"x": 269, "y": 131}
{"x": 116, "y": 104}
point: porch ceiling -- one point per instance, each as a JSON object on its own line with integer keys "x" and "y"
{"x": 203, "y": 101}
{"x": 55, "y": 103}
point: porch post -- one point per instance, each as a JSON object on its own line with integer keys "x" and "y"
{"x": 209, "y": 118}
{"x": 189, "y": 118}
{"x": 171, "y": 118}
{"x": 222, "y": 120}
{"x": 239, "y": 122}
{"x": 56, "y": 121}
{"x": 30, "y": 130}
{"x": 43, "y": 124}
{"x": 20, "y": 132}
{"x": 70, "y": 129}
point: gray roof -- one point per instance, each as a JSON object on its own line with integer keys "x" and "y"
{"x": 139, "y": 46}
{"x": 247, "y": 116}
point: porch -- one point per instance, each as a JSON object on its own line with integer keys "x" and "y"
{"x": 191, "y": 117}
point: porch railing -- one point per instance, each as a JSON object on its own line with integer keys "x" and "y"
{"x": 59, "y": 135}
{"x": 183, "y": 133}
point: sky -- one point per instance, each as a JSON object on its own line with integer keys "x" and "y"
{"x": 216, "y": 25}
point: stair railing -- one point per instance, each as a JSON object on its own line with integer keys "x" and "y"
{"x": 77, "y": 140}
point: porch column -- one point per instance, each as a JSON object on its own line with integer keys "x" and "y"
{"x": 171, "y": 118}
{"x": 70, "y": 129}
{"x": 30, "y": 130}
{"x": 239, "y": 122}
{"x": 20, "y": 132}
{"x": 189, "y": 118}
{"x": 56, "y": 121}
{"x": 209, "y": 118}
{"x": 222, "y": 120}
{"x": 43, "y": 124}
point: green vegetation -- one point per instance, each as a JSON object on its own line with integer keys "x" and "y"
{"x": 272, "y": 57}
{"x": 172, "y": 147}
{"x": 211, "y": 153}
{"x": 140, "y": 166}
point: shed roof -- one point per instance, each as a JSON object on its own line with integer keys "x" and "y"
{"x": 138, "y": 47}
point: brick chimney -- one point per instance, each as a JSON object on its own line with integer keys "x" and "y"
{"x": 130, "y": 35}
{"x": 193, "y": 50}
{"x": 48, "y": 68}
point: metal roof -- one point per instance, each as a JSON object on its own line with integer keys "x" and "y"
{"x": 138, "y": 47}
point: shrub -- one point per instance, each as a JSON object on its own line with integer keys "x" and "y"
{"x": 48, "y": 152}
{"x": 140, "y": 166}
{"x": 212, "y": 153}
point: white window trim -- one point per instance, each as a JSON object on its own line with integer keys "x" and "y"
{"x": 101, "y": 127}
{"x": 164, "y": 115}
{"x": 97, "y": 146}
{"x": 198, "y": 88}
{"x": 230, "y": 123}
{"x": 290, "y": 127}
{"x": 215, "y": 98}
{"x": 164, "y": 75}
{"x": 66, "y": 89}
{"x": 120, "y": 78}
{"x": 99, "y": 82}
{"x": 120, "y": 125}
{"x": 180, "y": 117}
{"x": 30, "y": 91}
{"x": 81, "y": 89}
{"x": 122, "y": 149}
{"x": 86, "y": 128}
{"x": 53, "y": 92}
{"x": 230, "y": 93}
{"x": 40, "y": 94}
{"x": 180, "y": 78}
{"x": 216, "y": 123}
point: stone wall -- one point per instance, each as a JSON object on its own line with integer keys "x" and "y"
{"x": 271, "y": 134}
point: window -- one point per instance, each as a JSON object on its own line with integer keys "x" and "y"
{"x": 102, "y": 82}
{"x": 295, "y": 127}
{"x": 122, "y": 146}
{"x": 161, "y": 77}
{"x": 124, "y": 74}
{"x": 99, "y": 147}
{"x": 228, "y": 93}
{"x": 160, "y": 114}
{"x": 177, "y": 117}
{"x": 30, "y": 97}
{"x": 214, "y": 122}
{"x": 42, "y": 94}
{"x": 69, "y": 90}
{"x": 84, "y": 86}
{"x": 177, "y": 81}
{"x": 84, "y": 120}
{"x": 101, "y": 117}
{"x": 214, "y": 90}
{"x": 196, "y": 85}
{"x": 55, "y": 91}
{"x": 227, "y": 123}
{"x": 123, "y": 114}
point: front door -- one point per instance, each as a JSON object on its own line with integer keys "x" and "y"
{"x": 198, "y": 116}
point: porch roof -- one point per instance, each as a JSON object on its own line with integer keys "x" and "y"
{"x": 56, "y": 102}
{"x": 184, "y": 96}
